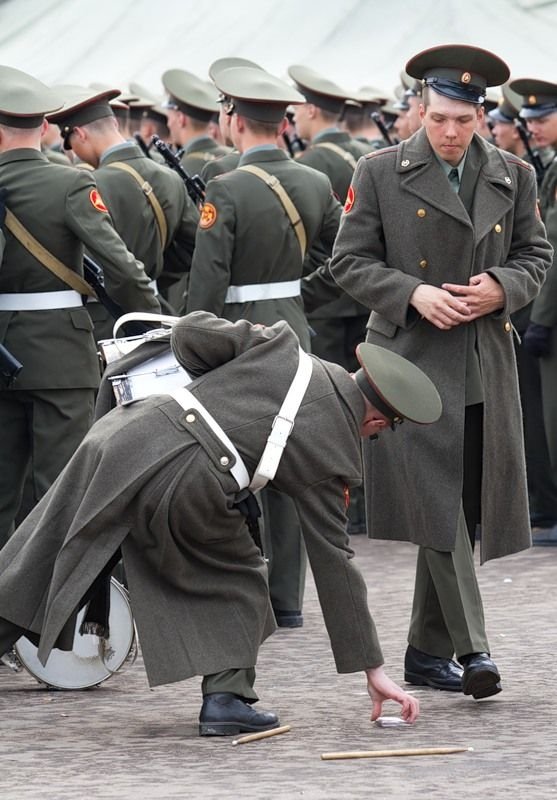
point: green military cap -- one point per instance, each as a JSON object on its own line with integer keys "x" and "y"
{"x": 81, "y": 106}
{"x": 24, "y": 101}
{"x": 256, "y": 94}
{"x": 189, "y": 94}
{"x": 319, "y": 91}
{"x": 459, "y": 71}
{"x": 370, "y": 95}
{"x": 137, "y": 108}
{"x": 228, "y": 63}
{"x": 538, "y": 98}
{"x": 139, "y": 90}
{"x": 507, "y": 108}
{"x": 396, "y": 387}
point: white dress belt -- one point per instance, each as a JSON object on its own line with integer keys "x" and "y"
{"x": 263, "y": 291}
{"x": 280, "y": 429}
{"x": 40, "y": 301}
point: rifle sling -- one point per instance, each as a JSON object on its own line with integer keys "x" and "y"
{"x": 45, "y": 257}
{"x": 291, "y": 211}
{"x": 149, "y": 193}
{"x": 340, "y": 151}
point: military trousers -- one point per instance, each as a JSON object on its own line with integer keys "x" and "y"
{"x": 41, "y": 429}
{"x": 548, "y": 373}
{"x": 283, "y": 546}
{"x": 236, "y": 681}
{"x": 447, "y": 612}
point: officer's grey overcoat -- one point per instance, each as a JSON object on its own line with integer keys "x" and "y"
{"x": 147, "y": 479}
{"x": 405, "y": 226}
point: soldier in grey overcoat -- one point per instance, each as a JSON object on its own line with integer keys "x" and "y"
{"x": 442, "y": 272}
{"x": 153, "y": 479}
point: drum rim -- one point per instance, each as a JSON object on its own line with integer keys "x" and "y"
{"x": 124, "y": 594}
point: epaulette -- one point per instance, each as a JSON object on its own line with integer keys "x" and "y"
{"x": 518, "y": 161}
{"x": 374, "y": 153}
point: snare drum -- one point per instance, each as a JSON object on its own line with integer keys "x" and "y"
{"x": 92, "y": 659}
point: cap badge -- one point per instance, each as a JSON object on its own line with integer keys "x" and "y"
{"x": 208, "y": 216}
{"x": 465, "y": 77}
{"x": 532, "y": 100}
{"x": 97, "y": 200}
{"x": 350, "y": 197}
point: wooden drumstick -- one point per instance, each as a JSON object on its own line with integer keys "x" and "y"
{"x": 418, "y": 751}
{"x": 254, "y": 737}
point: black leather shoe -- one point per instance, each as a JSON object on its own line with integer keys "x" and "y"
{"x": 288, "y": 619}
{"x": 481, "y": 677}
{"x": 225, "y": 714}
{"x": 422, "y": 669}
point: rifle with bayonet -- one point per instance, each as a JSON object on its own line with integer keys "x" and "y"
{"x": 378, "y": 119}
{"x": 534, "y": 157}
{"x": 194, "y": 185}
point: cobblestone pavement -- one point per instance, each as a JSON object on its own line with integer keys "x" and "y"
{"x": 123, "y": 740}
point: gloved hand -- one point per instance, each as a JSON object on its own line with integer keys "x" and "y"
{"x": 3, "y": 196}
{"x": 537, "y": 340}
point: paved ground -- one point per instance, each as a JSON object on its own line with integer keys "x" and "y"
{"x": 123, "y": 740}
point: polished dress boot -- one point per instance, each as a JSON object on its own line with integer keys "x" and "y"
{"x": 422, "y": 669}
{"x": 288, "y": 619}
{"x": 481, "y": 677}
{"x": 226, "y": 714}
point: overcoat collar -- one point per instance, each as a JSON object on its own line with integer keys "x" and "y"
{"x": 422, "y": 175}
{"x": 257, "y": 156}
{"x": 22, "y": 154}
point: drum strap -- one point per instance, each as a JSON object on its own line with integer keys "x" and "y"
{"x": 280, "y": 430}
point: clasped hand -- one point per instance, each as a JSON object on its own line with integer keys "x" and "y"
{"x": 454, "y": 304}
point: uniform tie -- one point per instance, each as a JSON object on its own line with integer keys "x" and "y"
{"x": 454, "y": 179}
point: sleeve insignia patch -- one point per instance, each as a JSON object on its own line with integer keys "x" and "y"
{"x": 350, "y": 197}
{"x": 346, "y": 493}
{"x": 208, "y": 216}
{"x": 97, "y": 201}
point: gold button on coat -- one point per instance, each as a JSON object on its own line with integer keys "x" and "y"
{"x": 423, "y": 263}
{"x": 225, "y": 461}
{"x": 421, "y": 212}
{"x": 497, "y": 228}
{"x": 508, "y": 327}
{"x": 190, "y": 418}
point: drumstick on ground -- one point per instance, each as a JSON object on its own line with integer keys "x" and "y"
{"x": 418, "y": 751}
{"x": 254, "y": 737}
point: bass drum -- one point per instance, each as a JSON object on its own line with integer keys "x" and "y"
{"x": 92, "y": 659}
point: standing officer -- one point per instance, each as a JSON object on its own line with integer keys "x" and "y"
{"x": 148, "y": 203}
{"x": 539, "y": 109}
{"x": 191, "y": 105}
{"x": 542, "y": 490}
{"x": 441, "y": 239}
{"x": 357, "y": 120}
{"x": 256, "y": 227}
{"x": 53, "y": 211}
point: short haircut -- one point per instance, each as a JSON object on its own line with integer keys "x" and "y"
{"x": 262, "y": 128}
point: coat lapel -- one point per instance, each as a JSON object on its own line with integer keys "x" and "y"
{"x": 494, "y": 188}
{"x": 422, "y": 175}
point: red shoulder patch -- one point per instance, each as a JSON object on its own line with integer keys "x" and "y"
{"x": 350, "y": 197}
{"x": 97, "y": 201}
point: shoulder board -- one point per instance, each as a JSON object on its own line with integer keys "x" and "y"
{"x": 512, "y": 159}
{"x": 374, "y": 153}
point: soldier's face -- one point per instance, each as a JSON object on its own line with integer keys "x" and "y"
{"x": 544, "y": 130}
{"x": 505, "y": 136}
{"x": 301, "y": 121}
{"x": 402, "y": 126}
{"x": 450, "y": 126}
